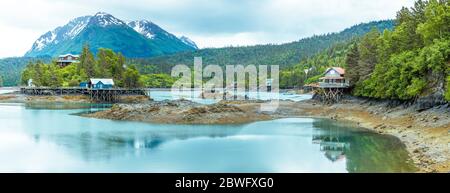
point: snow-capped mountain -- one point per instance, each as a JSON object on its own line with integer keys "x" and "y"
{"x": 60, "y": 34}
{"x": 188, "y": 41}
{"x": 134, "y": 39}
{"x": 153, "y": 31}
{"x": 144, "y": 27}
{"x": 104, "y": 19}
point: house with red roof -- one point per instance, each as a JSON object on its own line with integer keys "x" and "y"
{"x": 334, "y": 77}
{"x": 67, "y": 59}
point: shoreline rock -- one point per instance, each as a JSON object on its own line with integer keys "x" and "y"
{"x": 182, "y": 112}
{"x": 20, "y": 98}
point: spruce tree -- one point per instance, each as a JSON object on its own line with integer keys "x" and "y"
{"x": 352, "y": 65}
{"x": 87, "y": 62}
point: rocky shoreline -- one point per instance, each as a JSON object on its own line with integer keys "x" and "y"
{"x": 184, "y": 112}
{"x": 20, "y": 98}
{"x": 425, "y": 133}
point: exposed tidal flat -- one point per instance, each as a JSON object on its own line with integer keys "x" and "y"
{"x": 234, "y": 136}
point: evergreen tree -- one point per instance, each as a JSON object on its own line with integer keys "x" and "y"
{"x": 368, "y": 53}
{"x": 119, "y": 66}
{"x": 436, "y": 22}
{"x": 414, "y": 59}
{"x": 87, "y": 62}
{"x": 54, "y": 78}
{"x": 106, "y": 59}
{"x": 39, "y": 74}
{"x": 131, "y": 77}
{"x": 352, "y": 60}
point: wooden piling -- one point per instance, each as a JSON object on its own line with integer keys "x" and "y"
{"x": 99, "y": 95}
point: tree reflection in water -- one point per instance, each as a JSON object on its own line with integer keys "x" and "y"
{"x": 363, "y": 150}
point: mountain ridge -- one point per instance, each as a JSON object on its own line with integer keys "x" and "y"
{"x": 105, "y": 30}
{"x": 269, "y": 54}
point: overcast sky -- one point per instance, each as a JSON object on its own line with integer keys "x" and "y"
{"x": 210, "y": 23}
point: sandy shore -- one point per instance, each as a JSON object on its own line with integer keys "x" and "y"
{"x": 425, "y": 133}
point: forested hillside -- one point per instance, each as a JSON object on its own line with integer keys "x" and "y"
{"x": 310, "y": 69}
{"x": 410, "y": 62}
{"x": 284, "y": 55}
{"x": 10, "y": 68}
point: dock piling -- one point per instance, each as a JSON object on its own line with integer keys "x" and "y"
{"x": 100, "y": 95}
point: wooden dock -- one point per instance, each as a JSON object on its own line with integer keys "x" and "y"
{"x": 101, "y": 95}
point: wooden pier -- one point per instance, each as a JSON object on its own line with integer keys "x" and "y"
{"x": 100, "y": 95}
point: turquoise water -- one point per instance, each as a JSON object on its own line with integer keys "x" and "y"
{"x": 35, "y": 139}
{"x": 4, "y": 90}
{"x": 160, "y": 95}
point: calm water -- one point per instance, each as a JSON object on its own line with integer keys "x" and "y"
{"x": 160, "y": 95}
{"x": 35, "y": 139}
{"x": 5, "y": 90}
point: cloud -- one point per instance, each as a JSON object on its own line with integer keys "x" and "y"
{"x": 211, "y": 23}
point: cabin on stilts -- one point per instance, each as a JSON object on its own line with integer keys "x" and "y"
{"x": 332, "y": 85}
